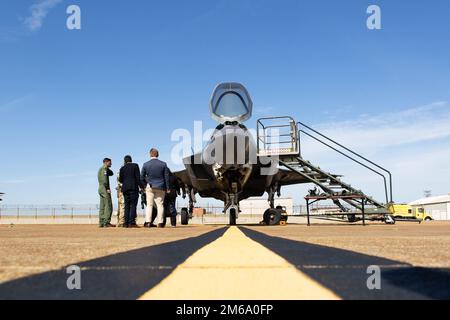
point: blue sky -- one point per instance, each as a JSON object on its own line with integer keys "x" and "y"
{"x": 137, "y": 70}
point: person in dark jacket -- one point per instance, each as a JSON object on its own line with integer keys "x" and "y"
{"x": 130, "y": 179}
{"x": 155, "y": 178}
{"x": 170, "y": 208}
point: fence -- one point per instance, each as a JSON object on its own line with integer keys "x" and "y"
{"x": 48, "y": 214}
{"x": 88, "y": 214}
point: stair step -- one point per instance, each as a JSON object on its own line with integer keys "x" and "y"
{"x": 331, "y": 182}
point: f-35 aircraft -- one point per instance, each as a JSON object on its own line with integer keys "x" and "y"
{"x": 228, "y": 169}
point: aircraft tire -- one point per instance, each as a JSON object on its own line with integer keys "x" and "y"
{"x": 284, "y": 216}
{"x": 232, "y": 217}
{"x": 272, "y": 217}
{"x": 184, "y": 216}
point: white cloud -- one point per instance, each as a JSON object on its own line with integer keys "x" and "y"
{"x": 414, "y": 144}
{"x": 394, "y": 129}
{"x": 39, "y": 11}
{"x": 11, "y": 105}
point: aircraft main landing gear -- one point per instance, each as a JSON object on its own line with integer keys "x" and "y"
{"x": 275, "y": 216}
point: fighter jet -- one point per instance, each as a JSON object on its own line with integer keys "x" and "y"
{"x": 229, "y": 169}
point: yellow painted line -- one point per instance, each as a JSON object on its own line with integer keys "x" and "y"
{"x": 234, "y": 267}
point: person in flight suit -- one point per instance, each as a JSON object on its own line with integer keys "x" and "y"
{"x": 104, "y": 191}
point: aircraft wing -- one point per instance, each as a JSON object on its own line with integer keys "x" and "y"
{"x": 284, "y": 177}
{"x": 188, "y": 185}
{"x": 183, "y": 177}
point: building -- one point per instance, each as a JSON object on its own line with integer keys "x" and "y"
{"x": 258, "y": 205}
{"x": 437, "y": 207}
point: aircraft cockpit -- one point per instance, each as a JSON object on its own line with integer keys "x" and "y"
{"x": 231, "y": 102}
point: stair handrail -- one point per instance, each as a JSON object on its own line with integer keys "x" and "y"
{"x": 294, "y": 141}
{"x": 388, "y": 197}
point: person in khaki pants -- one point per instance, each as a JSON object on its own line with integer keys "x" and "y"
{"x": 121, "y": 204}
{"x": 155, "y": 176}
{"x": 156, "y": 197}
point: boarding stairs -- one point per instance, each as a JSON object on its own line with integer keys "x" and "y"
{"x": 330, "y": 184}
{"x": 279, "y": 138}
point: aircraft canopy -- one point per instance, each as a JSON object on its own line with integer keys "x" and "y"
{"x": 231, "y": 102}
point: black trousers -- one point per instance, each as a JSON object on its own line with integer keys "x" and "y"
{"x": 172, "y": 211}
{"x": 131, "y": 201}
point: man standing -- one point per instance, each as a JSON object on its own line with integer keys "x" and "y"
{"x": 121, "y": 204}
{"x": 130, "y": 180}
{"x": 104, "y": 191}
{"x": 155, "y": 176}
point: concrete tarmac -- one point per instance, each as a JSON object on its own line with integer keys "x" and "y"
{"x": 326, "y": 261}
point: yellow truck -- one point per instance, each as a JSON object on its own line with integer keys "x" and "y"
{"x": 406, "y": 212}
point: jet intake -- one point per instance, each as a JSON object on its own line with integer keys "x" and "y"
{"x": 231, "y": 147}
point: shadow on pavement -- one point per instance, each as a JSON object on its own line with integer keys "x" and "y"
{"x": 345, "y": 272}
{"x": 124, "y": 275}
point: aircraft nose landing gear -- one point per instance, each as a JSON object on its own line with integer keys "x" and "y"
{"x": 232, "y": 208}
{"x": 233, "y": 216}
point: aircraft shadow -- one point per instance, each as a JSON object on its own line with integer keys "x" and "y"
{"x": 345, "y": 272}
{"x": 125, "y": 275}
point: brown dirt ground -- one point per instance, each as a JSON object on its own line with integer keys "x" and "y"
{"x": 31, "y": 249}
{"x": 421, "y": 245}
